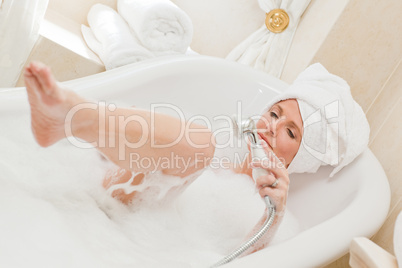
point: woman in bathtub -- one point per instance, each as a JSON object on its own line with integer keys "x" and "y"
{"x": 292, "y": 143}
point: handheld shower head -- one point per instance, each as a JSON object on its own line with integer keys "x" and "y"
{"x": 245, "y": 127}
{"x": 248, "y": 128}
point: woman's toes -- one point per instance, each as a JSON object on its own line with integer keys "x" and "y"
{"x": 47, "y": 85}
{"x": 44, "y": 77}
{"x": 46, "y": 80}
{"x": 32, "y": 87}
{"x": 28, "y": 72}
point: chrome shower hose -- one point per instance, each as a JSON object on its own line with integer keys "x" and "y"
{"x": 265, "y": 227}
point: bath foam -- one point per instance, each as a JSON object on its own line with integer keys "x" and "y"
{"x": 153, "y": 189}
{"x": 56, "y": 213}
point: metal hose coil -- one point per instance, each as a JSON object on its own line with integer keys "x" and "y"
{"x": 265, "y": 227}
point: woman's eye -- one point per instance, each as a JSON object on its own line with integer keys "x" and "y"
{"x": 291, "y": 134}
{"x": 274, "y": 115}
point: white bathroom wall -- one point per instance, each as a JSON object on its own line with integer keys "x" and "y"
{"x": 77, "y": 10}
{"x": 219, "y": 25}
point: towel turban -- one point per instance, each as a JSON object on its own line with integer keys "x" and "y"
{"x": 335, "y": 127}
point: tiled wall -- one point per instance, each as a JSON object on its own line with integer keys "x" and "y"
{"x": 365, "y": 48}
{"x": 387, "y": 146}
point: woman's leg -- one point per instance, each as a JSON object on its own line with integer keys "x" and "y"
{"x": 122, "y": 135}
{"x": 121, "y": 177}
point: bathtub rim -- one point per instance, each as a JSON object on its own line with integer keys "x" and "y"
{"x": 88, "y": 86}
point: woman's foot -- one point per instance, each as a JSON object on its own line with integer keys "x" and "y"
{"x": 49, "y": 104}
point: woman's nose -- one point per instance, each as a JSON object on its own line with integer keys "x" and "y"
{"x": 273, "y": 132}
{"x": 273, "y": 127}
{"x": 270, "y": 130}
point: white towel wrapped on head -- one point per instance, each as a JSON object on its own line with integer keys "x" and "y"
{"x": 335, "y": 127}
{"x": 110, "y": 37}
{"x": 160, "y": 25}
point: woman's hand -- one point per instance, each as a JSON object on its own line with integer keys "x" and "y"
{"x": 276, "y": 184}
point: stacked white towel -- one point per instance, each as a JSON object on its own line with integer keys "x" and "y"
{"x": 143, "y": 29}
{"x": 335, "y": 127}
{"x": 111, "y": 38}
{"x": 160, "y": 25}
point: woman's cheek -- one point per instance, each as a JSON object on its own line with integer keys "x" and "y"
{"x": 282, "y": 148}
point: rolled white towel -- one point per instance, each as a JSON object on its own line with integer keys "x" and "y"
{"x": 160, "y": 25}
{"x": 111, "y": 38}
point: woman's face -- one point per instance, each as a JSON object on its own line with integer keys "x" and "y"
{"x": 282, "y": 128}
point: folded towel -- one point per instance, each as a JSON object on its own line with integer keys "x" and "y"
{"x": 111, "y": 38}
{"x": 335, "y": 127}
{"x": 265, "y": 50}
{"x": 160, "y": 25}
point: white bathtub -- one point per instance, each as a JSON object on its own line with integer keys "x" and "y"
{"x": 331, "y": 211}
